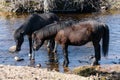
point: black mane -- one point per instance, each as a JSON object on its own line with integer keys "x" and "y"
{"x": 35, "y": 22}
{"x": 53, "y": 28}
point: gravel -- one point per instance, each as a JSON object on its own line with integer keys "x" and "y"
{"x": 8, "y": 72}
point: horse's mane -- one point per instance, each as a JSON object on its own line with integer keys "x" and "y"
{"x": 25, "y": 25}
{"x": 53, "y": 28}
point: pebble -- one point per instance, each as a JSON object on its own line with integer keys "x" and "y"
{"x": 12, "y": 49}
{"x": 38, "y": 65}
{"x": 18, "y": 58}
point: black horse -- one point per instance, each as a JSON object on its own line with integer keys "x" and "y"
{"x": 33, "y": 23}
{"x": 77, "y": 34}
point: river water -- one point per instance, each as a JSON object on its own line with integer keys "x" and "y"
{"x": 78, "y": 55}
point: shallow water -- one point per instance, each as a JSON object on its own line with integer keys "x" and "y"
{"x": 78, "y": 55}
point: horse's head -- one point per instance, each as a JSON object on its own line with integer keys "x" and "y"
{"x": 19, "y": 38}
{"x": 37, "y": 41}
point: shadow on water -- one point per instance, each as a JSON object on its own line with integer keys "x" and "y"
{"x": 78, "y": 55}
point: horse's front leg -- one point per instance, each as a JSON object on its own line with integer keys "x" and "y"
{"x": 51, "y": 45}
{"x": 97, "y": 54}
{"x": 55, "y": 47}
{"x": 48, "y": 46}
{"x": 55, "y": 51}
{"x": 30, "y": 45}
{"x": 52, "y": 49}
{"x": 65, "y": 53}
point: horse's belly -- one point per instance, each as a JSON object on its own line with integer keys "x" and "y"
{"x": 78, "y": 43}
{"x": 79, "y": 38}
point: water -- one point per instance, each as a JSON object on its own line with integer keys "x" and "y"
{"x": 78, "y": 56}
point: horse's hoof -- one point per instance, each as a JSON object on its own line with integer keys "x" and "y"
{"x": 33, "y": 59}
{"x": 95, "y": 63}
{"x": 65, "y": 64}
{"x": 53, "y": 61}
{"x": 30, "y": 56}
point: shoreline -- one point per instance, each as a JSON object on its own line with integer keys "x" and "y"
{"x": 30, "y": 73}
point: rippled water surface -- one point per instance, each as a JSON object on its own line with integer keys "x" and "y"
{"x": 78, "y": 56}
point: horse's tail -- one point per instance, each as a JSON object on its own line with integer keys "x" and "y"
{"x": 105, "y": 42}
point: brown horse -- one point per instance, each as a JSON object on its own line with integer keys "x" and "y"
{"x": 77, "y": 34}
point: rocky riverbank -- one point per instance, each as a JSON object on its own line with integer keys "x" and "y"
{"x": 8, "y": 72}
{"x": 103, "y": 72}
{"x": 29, "y": 73}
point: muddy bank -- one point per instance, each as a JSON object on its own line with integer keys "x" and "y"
{"x": 103, "y": 72}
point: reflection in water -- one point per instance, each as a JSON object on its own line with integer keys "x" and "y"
{"x": 78, "y": 55}
{"x": 32, "y": 63}
{"x": 53, "y": 66}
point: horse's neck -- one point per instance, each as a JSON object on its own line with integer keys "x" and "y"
{"x": 52, "y": 29}
{"x": 22, "y": 31}
{"x": 26, "y": 29}
{"x": 55, "y": 28}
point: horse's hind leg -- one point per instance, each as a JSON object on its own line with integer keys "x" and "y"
{"x": 65, "y": 53}
{"x": 97, "y": 53}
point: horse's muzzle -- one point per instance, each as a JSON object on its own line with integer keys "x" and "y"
{"x": 35, "y": 48}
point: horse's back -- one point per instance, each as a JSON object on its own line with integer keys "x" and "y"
{"x": 49, "y": 16}
{"x": 81, "y": 32}
{"x": 43, "y": 16}
{"x": 91, "y": 22}
{"x": 37, "y": 21}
